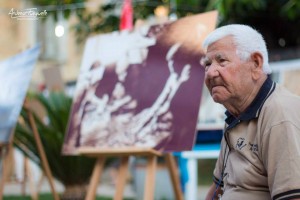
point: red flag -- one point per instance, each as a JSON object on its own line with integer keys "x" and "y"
{"x": 126, "y": 21}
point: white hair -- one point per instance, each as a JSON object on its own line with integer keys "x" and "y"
{"x": 247, "y": 41}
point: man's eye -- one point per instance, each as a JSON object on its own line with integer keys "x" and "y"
{"x": 222, "y": 60}
{"x": 206, "y": 66}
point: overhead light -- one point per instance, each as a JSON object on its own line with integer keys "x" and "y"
{"x": 161, "y": 11}
{"x": 59, "y": 30}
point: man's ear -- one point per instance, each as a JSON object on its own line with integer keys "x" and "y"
{"x": 257, "y": 67}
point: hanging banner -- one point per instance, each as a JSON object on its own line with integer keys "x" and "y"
{"x": 140, "y": 88}
{"x": 126, "y": 20}
{"x": 15, "y": 76}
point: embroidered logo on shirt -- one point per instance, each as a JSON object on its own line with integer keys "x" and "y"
{"x": 240, "y": 143}
{"x": 253, "y": 147}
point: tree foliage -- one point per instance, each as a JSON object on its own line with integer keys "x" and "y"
{"x": 276, "y": 19}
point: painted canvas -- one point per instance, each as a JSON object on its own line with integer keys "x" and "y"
{"x": 140, "y": 88}
{"x": 15, "y": 76}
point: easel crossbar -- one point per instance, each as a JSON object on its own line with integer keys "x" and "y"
{"x": 128, "y": 151}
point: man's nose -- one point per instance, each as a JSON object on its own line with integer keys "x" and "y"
{"x": 212, "y": 71}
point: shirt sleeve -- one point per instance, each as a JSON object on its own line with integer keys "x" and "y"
{"x": 281, "y": 157}
{"x": 217, "y": 174}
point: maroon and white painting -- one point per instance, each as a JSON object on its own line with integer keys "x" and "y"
{"x": 140, "y": 88}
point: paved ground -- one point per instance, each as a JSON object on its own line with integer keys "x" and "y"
{"x": 104, "y": 189}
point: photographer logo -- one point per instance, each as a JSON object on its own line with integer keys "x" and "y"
{"x": 27, "y": 14}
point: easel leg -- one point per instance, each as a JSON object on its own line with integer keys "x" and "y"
{"x": 3, "y": 157}
{"x": 173, "y": 171}
{"x": 150, "y": 178}
{"x": 25, "y": 176}
{"x": 2, "y": 182}
{"x": 95, "y": 179}
{"x": 42, "y": 155}
{"x": 122, "y": 177}
{"x": 34, "y": 195}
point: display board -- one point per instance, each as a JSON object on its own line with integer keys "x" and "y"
{"x": 140, "y": 88}
{"x": 15, "y": 76}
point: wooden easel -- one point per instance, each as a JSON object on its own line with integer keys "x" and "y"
{"x": 5, "y": 149}
{"x": 6, "y": 152}
{"x": 41, "y": 151}
{"x": 124, "y": 154}
{"x": 28, "y": 177}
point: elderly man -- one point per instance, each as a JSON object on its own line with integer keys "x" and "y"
{"x": 260, "y": 151}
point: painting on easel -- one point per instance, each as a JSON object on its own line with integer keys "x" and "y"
{"x": 140, "y": 88}
{"x": 15, "y": 76}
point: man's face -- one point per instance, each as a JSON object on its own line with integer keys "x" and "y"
{"x": 227, "y": 77}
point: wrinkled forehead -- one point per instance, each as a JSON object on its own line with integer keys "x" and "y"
{"x": 215, "y": 56}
